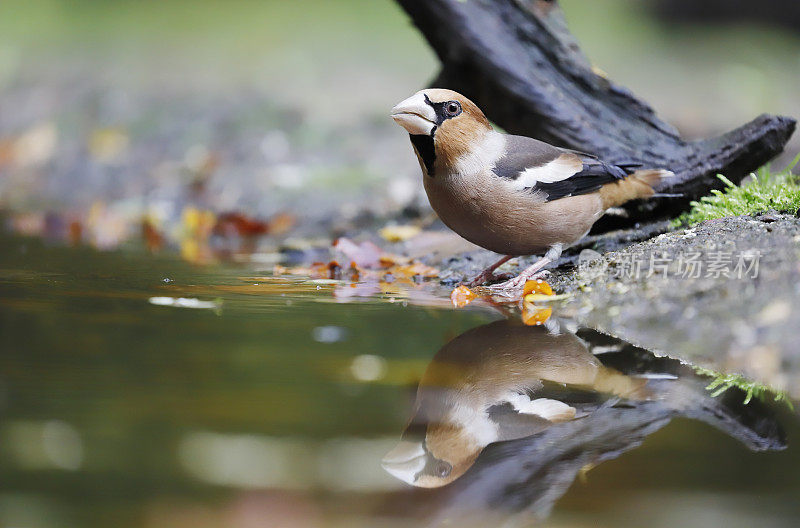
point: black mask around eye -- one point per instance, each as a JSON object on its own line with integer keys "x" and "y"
{"x": 445, "y": 110}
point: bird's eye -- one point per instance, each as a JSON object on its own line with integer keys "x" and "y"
{"x": 443, "y": 469}
{"x": 453, "y": 108}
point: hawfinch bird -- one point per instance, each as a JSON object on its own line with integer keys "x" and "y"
{"x": 498, "y": 382}
{"x": 512, "y": 195}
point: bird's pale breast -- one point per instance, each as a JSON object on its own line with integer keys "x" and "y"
{"x": 489, "y": 212}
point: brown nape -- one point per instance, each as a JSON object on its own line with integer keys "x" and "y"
{"x": 457, "y": 136}
{"x": 637, "y": 185}
{"x": 454, "y": 445}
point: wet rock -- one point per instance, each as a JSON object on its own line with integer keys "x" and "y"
{"x": 724, "y": 294}
{"x": 733, "y": 319}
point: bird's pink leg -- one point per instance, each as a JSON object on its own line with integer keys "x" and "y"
{"x": 488, "y": 273}
{"x": 513, "y": 288}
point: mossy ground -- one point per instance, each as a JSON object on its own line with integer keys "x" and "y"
{"x": 766, "y": 191}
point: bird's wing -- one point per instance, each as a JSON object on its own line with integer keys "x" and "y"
{"x": 542, "y": 406}
{"x": 534, "y": 166}
{"x": 512, "y": 424}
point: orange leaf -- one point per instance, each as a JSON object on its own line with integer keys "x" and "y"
{"x": 533, "y": 315}
{"x": 462, "y": 296}
{"x": 281, "y": 223}
{"x": 417, "y": 268}
{"x": 537, "y": 286}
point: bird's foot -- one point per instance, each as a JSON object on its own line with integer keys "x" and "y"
{"x": 513, "y": 288}
{"x": 482, "y": 278}
{"x": 487, "y": 275}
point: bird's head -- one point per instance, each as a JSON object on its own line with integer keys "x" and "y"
{"x": 443, "y": 124}
{"x": 437, "y": 445}
{"x": 432, "y": 456}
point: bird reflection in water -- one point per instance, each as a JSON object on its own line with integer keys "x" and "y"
{"x": 507, "y": 415}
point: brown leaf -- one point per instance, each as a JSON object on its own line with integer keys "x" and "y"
{"x": 233, "y": 223}
{"x": 153, "y": 239}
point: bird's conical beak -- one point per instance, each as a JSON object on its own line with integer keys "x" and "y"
{"x": 405, "y": 461}
{"x": 415, "y": 115}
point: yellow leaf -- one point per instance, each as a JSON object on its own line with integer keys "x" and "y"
{"x": 533, "y": 315}
{"x": 537, "y": 286}
{"x": 399, "y": 233}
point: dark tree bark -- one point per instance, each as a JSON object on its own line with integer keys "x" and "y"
{"x": 784, "y": 13}
{"x": 517, "y": 60}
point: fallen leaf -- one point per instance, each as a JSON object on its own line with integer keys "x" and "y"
{"x": 334, "y": 270}
{"x": 153, "y": 239}
{"x": 232, "y": 223}
{"x": 462, "y": 296}
{"x": 281, "y": 223}
{"x": 533, "y": 315}
{"x": 317, "y": 270}
{"x": 413, "y": 270}
{"x": 355, "y": 273}
{"x": 107, "y": 144}
{"x": 198, "y": 222}
{"x": 365, "y": 254}
{"x": 537, "y": 286}
{"x": 75, "y": 232}
{"x": 399, "y": 233}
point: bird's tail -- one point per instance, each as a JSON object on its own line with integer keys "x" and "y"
{"x": 652, "y": 177}
{"x": 639, "y": 184}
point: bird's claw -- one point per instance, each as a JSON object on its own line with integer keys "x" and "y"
{"x": 514, "y": 288}
{"x": 485, "y": 277}
{"x": 480, "y": 280}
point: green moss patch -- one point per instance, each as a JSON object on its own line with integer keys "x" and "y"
{"x": 766, "y": 191}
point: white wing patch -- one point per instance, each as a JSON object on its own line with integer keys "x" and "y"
{"x": 559, "y": 169}
{"x": 546, "y": 408}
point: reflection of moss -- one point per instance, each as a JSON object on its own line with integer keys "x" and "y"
{"x": 722, "y": 382}
{"x": 766, "y": 191}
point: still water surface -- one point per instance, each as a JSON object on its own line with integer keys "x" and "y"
{"x": 272, "y": 402}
